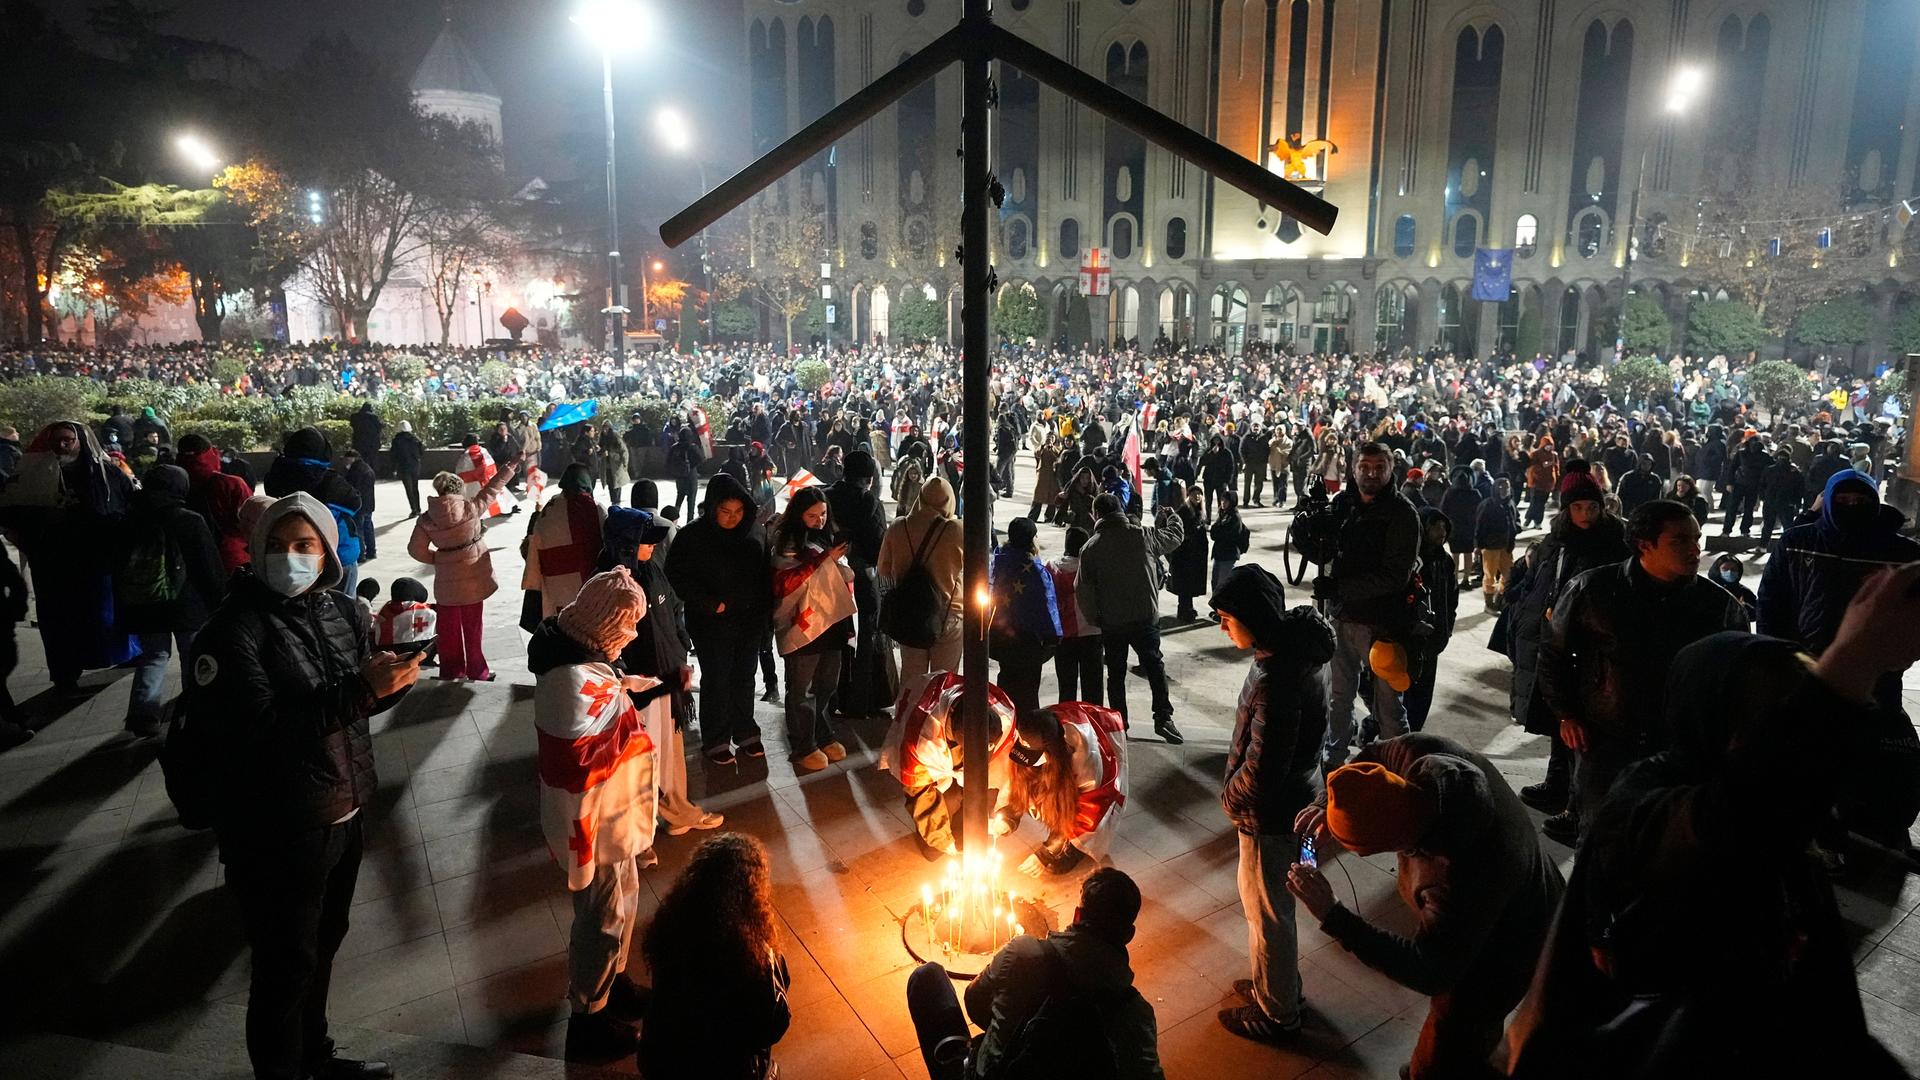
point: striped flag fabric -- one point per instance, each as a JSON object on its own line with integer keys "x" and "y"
{"x": 479, "y": 470}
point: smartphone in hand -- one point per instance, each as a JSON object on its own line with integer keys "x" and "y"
{"x": 1307, "y": 855}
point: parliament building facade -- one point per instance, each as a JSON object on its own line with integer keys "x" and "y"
{"x": 1438, "y": 127}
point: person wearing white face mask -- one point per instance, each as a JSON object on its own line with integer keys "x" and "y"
{"x": 283, "y": 682}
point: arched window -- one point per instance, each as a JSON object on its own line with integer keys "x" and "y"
{"x": 1403, "y": 236}
{"x": 1279, "y": 316}
{"x": 1466, "y": 234}
{"x": 1122, "y": 238}
{"x": 1390, "y": 322}
{"x": 1017, "y": 238}
{"x": 1069, "y": 238}
{"x": 1570, "y": 321}
{"x": 1176, "y": 314}
{"x": 1176, "y": 238}
{"x": 879, "y": 313}
{"x": 1331, "y": 314}
{"x": 1230, "y": 318}
{"x": 1526, "y": 233}
{"x": 1589, "y": 231}
{"x": 869, "y": 240}
{"x": 1126, "y": 314}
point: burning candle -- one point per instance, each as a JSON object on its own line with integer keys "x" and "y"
{"x": 926, "y": 910}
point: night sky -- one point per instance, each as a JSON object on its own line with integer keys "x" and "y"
{"x": 547, "y": 72}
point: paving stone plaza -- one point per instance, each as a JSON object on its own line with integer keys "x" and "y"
{"x": 122, "y": 955}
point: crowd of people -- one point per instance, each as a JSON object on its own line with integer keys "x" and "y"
{"x": 815, "y": 537}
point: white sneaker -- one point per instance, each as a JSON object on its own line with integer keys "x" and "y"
{"x": 708, "y": 820}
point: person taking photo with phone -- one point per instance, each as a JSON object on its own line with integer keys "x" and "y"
{"x": 1482, "y": 890}
{"x": 1272, "y": 763}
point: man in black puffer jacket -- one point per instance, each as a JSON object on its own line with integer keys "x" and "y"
{"x": 283, "y": 678}
{"x": 160, "y": 523}
{"x": 1272, "y": 760}
{"x": 1611, "y": 641}
{"x": 719, "y": 567}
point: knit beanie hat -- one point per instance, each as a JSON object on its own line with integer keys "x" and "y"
{"x": 605, "y": 613}
{"x": 860, "y": 466}
{"x": 1370, "y": 809}
{"x": 1022, "y": 535}
{"x": 1579, "y": 487}
{"x": 409, "y": 590}
{"x": 646, "y": 495}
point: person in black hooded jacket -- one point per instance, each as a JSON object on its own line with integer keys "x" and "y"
{"x": 1698, "y": 937}
{"x": 284, "y": 681}
{"x": 1273, "y": 757}
{"x": 160, "y": 513}
{"x": 305, "y": 464}
{"x": 1442, "y": 593}
{"x": 719, "y": 569}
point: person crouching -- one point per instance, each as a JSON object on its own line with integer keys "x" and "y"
{"x": 1070, "y": 771}
{"x": 597, "y": 798}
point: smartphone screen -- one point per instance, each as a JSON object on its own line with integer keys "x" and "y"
{"x": 1307, "y": 856}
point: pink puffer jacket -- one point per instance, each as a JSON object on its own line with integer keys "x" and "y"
{"x": 449, "y": 535}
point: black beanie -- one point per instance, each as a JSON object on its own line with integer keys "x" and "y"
{"x": 1256, "y": 598}
{"x": 859, "y": 466}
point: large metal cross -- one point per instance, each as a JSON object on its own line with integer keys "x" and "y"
{"x": 974, "y": 44}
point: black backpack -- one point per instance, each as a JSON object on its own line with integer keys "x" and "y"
{"x": 914, "y": 611}
{"x": 152, "y": 570}
{"x": 1065, "y": 1036}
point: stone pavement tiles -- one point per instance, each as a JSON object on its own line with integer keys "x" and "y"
{"x": 124, "y": 958}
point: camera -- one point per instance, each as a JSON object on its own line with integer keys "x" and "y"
{"x": 1314, "y": 536}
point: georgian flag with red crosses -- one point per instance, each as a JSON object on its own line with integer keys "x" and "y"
{"x": 809, "y": 595}
{"x": 598, "y": 788}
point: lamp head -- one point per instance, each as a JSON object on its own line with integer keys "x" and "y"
{"x": 614, "y": 25}
{"x": 1688, "y": 82}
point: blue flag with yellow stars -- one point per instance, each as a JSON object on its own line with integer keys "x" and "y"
{"x": 1492, "y": 275}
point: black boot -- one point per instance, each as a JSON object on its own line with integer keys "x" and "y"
{"x": 1549, "y": 796}
{"x": 599, "y": 1038}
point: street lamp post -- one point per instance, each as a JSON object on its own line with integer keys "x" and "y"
{"x": 678, "y": 135}
{"x": 1686, "y": 83}
{"x": 612, "y": 24}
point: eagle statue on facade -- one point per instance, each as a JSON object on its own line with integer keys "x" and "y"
{"x": 1294, "y": 154}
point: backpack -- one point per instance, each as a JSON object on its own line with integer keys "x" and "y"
{"x": 914, "y": 611}
{"x": 347, "y": 524}
{"x": 1065, "y": 1036}
{"x": 153, "y": 571}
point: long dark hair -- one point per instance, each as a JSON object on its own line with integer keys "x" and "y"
{"x": 719, "y": 911}
{"x": 1049, "y": 789}
{"x": 792, "y": 534}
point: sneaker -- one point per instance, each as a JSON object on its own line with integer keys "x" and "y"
{"x": 834, "y": 751}
{"x": 599, "y": 1038}
{"x": 648, "y": 858}
{"x": 721, "y": 755}
{"x": 1563, "y": 827}
{"x": 813, "y": 762}
{"x": 708, "y": 820}
{"x": 1166, "y": 730}
{"x": 1248, "y": 1022}
{"x": 1545, "y": 797}
{"x": 753, "y": 749}
{"x": 1244, "y": 987}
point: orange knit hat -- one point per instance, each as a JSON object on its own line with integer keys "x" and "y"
{"x": 1370, "y": 809}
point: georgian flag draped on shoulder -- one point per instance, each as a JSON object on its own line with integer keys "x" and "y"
{"x": 597, "y": 780}
{"x": 1103, "y": 784}
{"x": 697, "y": 419}
{"x": 809, "y": 595}
{"x": 922, "y": 744}
{"x": 479, "y": 470}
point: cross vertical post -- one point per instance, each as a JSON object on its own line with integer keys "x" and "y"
{"x": 976, "y": 24}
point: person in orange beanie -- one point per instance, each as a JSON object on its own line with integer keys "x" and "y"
{"x": 1471, "y": 868}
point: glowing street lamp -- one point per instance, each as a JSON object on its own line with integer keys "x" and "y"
{"x": 196, "y": 152}
{"x": 1683, "y": 88}
{"x": 613, "y": 25}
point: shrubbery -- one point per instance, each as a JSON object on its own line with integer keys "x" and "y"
{"x": 259, "y": 423}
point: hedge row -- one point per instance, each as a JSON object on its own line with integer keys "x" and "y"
{"x": 260, "y": 423}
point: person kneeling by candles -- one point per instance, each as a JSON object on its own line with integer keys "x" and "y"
{"x": 1471, "y": 868}
{"x": 923, "y": 747}
{"x": 1063, "y": 1005}
{"x": 1070, "y": 771}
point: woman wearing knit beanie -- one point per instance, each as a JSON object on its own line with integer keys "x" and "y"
{"x": 598, "y": 793}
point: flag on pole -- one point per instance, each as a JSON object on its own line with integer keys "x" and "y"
{"x": 480, "y": 469}
{"x": 800, "y": 478}
{"x": 1096, "y": 276}
{"x": 570, "y": 414}
{"x": 1492, "y": 275}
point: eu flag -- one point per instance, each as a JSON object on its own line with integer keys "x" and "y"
{"x": 1492, "y": 274}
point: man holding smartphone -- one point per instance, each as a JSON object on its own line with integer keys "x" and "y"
{"x": 1272, "y": 764}
{"x": 1482, "y": 890}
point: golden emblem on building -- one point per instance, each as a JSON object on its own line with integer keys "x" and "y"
{"x": 1294, "y": 155}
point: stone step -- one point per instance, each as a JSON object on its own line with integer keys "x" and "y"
{"x": 208, "y": 1042}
